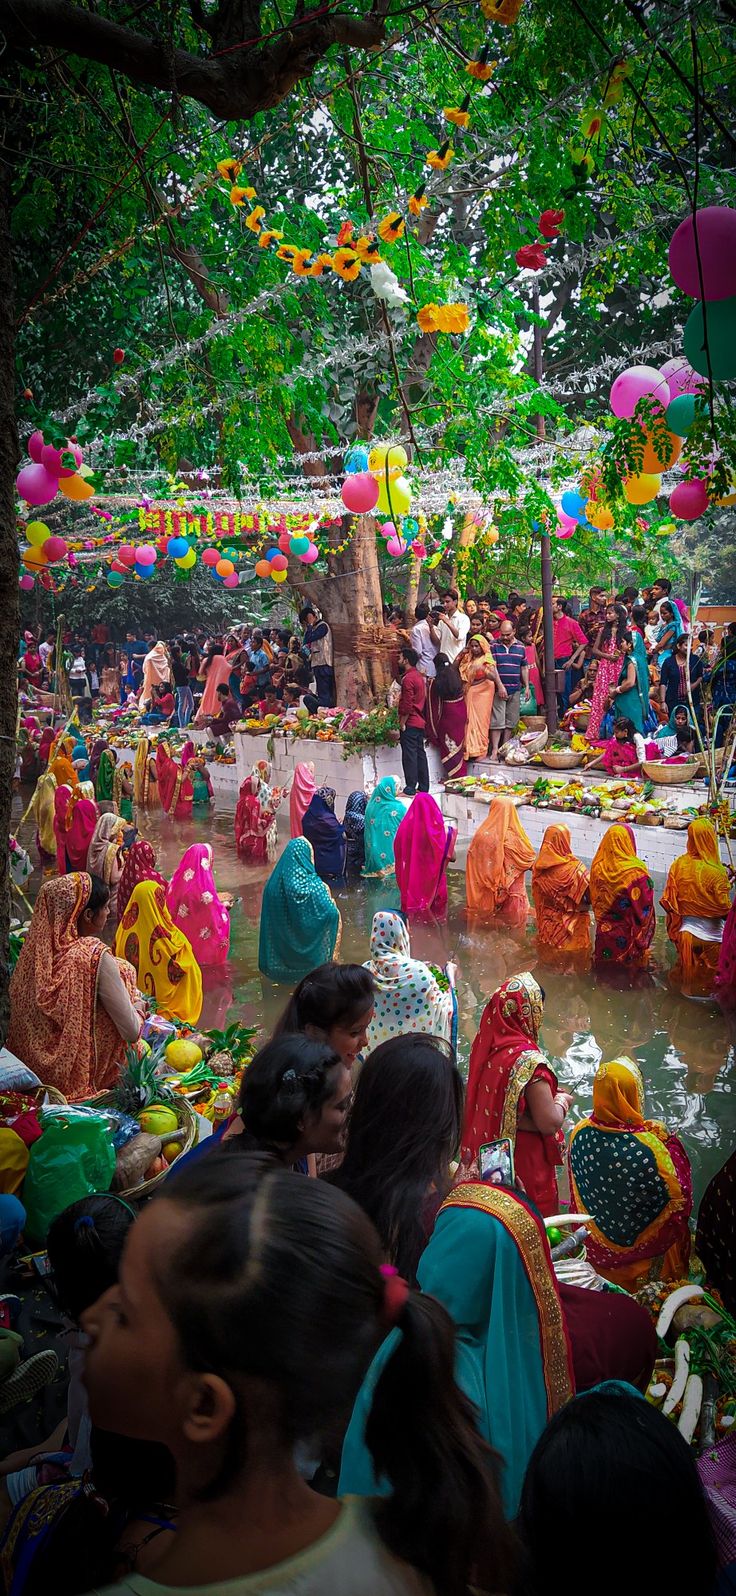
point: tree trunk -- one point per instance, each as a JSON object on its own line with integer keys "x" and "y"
{"x": 9, "y": 604}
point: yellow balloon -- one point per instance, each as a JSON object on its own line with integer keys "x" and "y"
{"x": 377, "y": 458}
{"x": 401, "y": 495}
{"x": 383, "y": 503}
{"x": 728, "y": 498}
{"x": 397, "y": 460}
{"x": 75, "y": 487}
{"x": 666, "y": 529}
{"x": 599, "y": 515}
{"x": 491, "y": 536}
{"x": 37, "y": 533}
{"x": 187, "y": 560}
{"x": 642, "y": 489}
{"x": 279, "y": 576}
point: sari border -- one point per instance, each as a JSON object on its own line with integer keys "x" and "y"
{"x": 523, "y": 1227}
{"x": 520, "y": 1075}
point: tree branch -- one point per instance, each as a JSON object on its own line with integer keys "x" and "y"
{"x": 234, "y": 86}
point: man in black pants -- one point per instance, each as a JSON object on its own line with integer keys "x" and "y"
{"x": 412, "y": 723}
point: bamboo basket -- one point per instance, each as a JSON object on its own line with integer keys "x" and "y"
{"x": 534, "y": 722}
{"x": 49, "y": 1094}
{"x": 185, "y": 1116}
{"x": 670, "y": 775}
{"x": 561, "y": 758}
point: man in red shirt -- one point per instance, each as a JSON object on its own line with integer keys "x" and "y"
{"x": 570, "y": 645}
{"x": 412, "y": 722}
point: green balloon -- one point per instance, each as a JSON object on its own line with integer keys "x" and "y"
{"x": 680, "y": 414}
{"x": 115, "y": 579}
{"x": 721, "y": 323}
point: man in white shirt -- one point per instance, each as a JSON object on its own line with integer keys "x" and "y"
{"x": 425, "y": 640}
{"x": 453, "y": 627}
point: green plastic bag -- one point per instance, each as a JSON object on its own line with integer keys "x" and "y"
{"x": 73, "y": 1157}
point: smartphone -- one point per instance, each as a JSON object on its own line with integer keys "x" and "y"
{"x": 130, "y": 837}
{"x": 496, "y": 1162}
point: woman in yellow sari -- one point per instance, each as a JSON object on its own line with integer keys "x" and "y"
{"x": 622, "y": 894}
{"x": 145, "y": 784}
{"x": 635, "y": 1181}
{"x": 499, "y": 856}
{"x": 696, "y": 901}
{"x": 561, "y": 893}
{"x": 161, "y": 954}
{"x": 60, "y": 763}
{"x": 42, "y": 809}
{"x": 480, "y": 679}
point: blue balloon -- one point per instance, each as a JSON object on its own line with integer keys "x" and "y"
{"x": 271, "y": 553}
{"x": 356, "y": 460}
{"x": 144, "y": 570}
{"x": 572, "y": 504}
{"x": 177, "y": 548}
{"x": 535, "y": 526}
{"x": 216, "y": 575}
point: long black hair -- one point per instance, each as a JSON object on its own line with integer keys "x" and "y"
{"x": 85, "y": 1244}
{"x": 613, "y": 1447}
{"x": 333, "y": 994}
{"x": 448, "y": 681}
{"x": 288, "y": 1081}
{"x": 615, "y": 628}
{"x": 278, "y": 1281}
{"x": 404, "y": 1128}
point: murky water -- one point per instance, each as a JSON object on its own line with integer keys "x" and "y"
{"x": 686, "y": 1049}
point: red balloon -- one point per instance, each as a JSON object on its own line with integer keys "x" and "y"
{"x": 210, "y": 556}
{"x": 279, "y": 562}
{"x": 55, "y": 549}
{"x": 688, "y": 500}
{"x": 360, "y": 493}
{"x": 126, "y": 554}
{"x": 284, "y": 541}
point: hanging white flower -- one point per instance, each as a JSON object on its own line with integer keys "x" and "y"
{"x": 386, "y": 286}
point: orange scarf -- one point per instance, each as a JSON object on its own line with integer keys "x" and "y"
{"x": 499, "y": 852}
{"x": 614, "y": 868}
{"x": 559, "y": 884}
{"x": 697, "y": 883}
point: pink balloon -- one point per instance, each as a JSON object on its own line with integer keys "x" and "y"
{"x": 211, "y": 556}
{"x": 54, "y": 549}
{"x": 419, "y": 550}
{"x": 388, "y": 530}
{"x": 566, "y": 523}
{"x": 284, "y": 541}
{"x": 126, "y": 554}
{"x": 680, "y": 377}
{"x": 310, "y": 555}
{"x": 563, "y": 531}
{"x": 396, "y": 547}
{"x": 35, "y": 484}
{"x": 639, "y": 382}
{"x": 360, "y": 493}
{"x": 26, "y": 582}
{"x": 716, "y": 226}
{"x": 52, "y": 459}
{"x": 689, "y": 499}
{"x": 145, "y": 554}
{"x": 232, "y": 580}
{"x": 35, "y": 446}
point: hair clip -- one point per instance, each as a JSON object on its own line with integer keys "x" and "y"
{"x": 84, "y": 1222}
{"x": 289, "y": 1078}
{"x": 395, "y": 1293}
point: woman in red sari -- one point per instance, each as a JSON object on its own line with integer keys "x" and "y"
{"x": 447, "y": 717}
{"x": 513, "y": 1091}
{"x": 423, "y": 846}
{"x": 174, "y": 782}
{"x": 622, "y": 894}
{"x": 80, "y": 820}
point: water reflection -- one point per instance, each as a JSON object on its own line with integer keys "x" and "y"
{"x": 685, "y": 1048}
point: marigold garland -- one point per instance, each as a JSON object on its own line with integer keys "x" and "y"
{"x": 444, "y": 318}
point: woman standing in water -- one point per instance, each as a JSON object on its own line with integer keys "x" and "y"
{"x": 622, "y": 894}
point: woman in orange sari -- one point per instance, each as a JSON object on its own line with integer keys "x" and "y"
{"x": 622, "y": 894}
{"x": 60, "y": 763}
{"x": 634, "y": 1179}
{"x": 561, "y": 893}
{"x": 480, "y": 679}
{"x": 513, "y": 1091}
{"x": 696, "y": 901}
{"x": 499, "y": 855}
{"x": 72, "y": 1003}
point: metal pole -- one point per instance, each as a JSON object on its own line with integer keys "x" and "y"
{"x": 546, "y": 552}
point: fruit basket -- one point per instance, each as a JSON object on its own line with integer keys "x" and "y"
{"x": 186, "y": 1121}
{"x": 560, "y": 758}
{"x": 670, "y": 775}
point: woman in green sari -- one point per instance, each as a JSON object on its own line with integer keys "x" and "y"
{"x": 488, "y": 1263}
{"x": 383, "y": 816}
{"x": 105, "y": 777}
{"x": 300, "y": 921}
{"x": 627, "y": 696}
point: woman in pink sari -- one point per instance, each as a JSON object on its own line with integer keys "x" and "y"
{"x": 724, "y": 987}
{"x": 174, "y": 781}
{"x": 193, "y": 903}
{"x": 608, "y": 649}
{"x": 140, "y": 865}
{"x": 303, "y": 788}
{"x": 423, "y": 847}
{"x": 215, "y": 673}
{"x": 61, "y": 804}
{"x": 255, "y": 816}
{"x": 79, "y": 824}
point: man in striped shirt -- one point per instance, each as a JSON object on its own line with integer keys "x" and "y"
{"x": 513, "y": 670}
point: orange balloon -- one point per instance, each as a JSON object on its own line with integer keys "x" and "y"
{"x": 224, "y": 567}
{"x": 34, "y": 559}
{"x": 76, "y": 488}
{"x": 659, "y": 456}
{"x": 263, "y": 568}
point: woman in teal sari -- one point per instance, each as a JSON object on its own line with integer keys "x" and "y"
{"x": 383, "y": 816}
{"x": 300, "y": 921}
{"x": 488, "y": 1263}
{"x": 105, "y": 777}
{"x": 627, "y": 696}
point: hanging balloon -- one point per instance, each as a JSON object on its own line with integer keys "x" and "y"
{"x": 310, "y": 555}
{"x": 299, "y": 545}
{"x": 572, "y": 504}
{"x": 360, "y": 493}
{"x": 36, "y": 485}
{"x": 272, "y": 553}
{"x": 34, "y": 559}
{"x": 285, "y": 542}
{"x": 61, "y": 462}
{"x": 561, "y": 531}
{"x": 490, "y": 536}
{"x": 356, "y": 460}
{"x": 37, "y": 532}
{"x": 713, "y": 277}
{"x": 721, "y": 323}
{"x": 278, "y": 576}
{"x": 660, "y": 453}
{"x": 377, "y": 458}
{"x": 680, "y": 414}
{"x": 689, "y": 499}
{"x": 115, "y": 579}
{"x": 638, "y": 382}
{"x": 187, "y": 561}
{"x": 126, "y": 554}
{"x": 224, "y": 568}
{"x": 401, "y": 495}
{"x": 262, "y": 568}
{"x": 55, "y": 549}
{"x": 280, "y": 563}
{"x": 680, "y": 377}
{"x": 396, "y": 460}
{"x": 26, "y": 582}
{"x": 143, "y": 571}
{"x": 642, "y": 487}
{"x": 396, "y": 547}
{"x": 211, "y": 556}
{"x": 36, "y": 447}
{"x": 388, "y": 530}
{"x": 76, "y": 488}
{"x": 177, "y": 548}
{"x": 145, "y": 554}
{"x": 232, "y": 580}
{"x": 419, "y": 551}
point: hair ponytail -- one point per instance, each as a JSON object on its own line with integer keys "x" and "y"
{"x": 444, "y": 1516}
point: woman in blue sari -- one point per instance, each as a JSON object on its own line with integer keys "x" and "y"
{"x": 488, "y": 1263}
{"x": 300, "y": 921}
{"x": 669, "y": 629}
{"x": 326, "y": 833}
{"x": 383, "y": 816}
